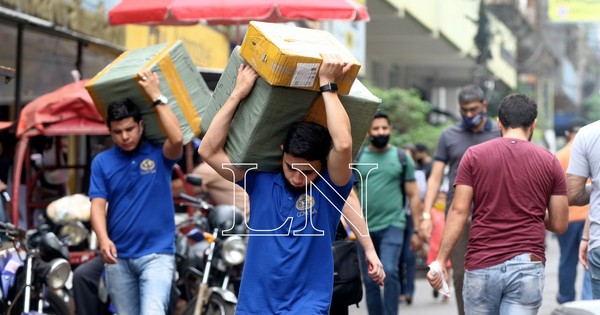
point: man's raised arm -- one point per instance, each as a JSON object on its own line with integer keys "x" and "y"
{"x": 212, "y": 148}
{"x": 338, "y": 122}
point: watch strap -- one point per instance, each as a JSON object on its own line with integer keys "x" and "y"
{"x": 160, "y": 100}
{"x": 329, "y": 87}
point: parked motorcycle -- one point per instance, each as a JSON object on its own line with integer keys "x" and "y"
{"x": 210, "y": 261}
{"x": 34, "y": 271}
{"x": 69, "y": 218}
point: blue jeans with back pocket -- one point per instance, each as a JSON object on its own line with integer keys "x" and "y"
{"x": 513, "y": 287}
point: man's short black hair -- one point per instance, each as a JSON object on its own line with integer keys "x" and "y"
{"x": 470, "y": 93}
{"x": 381, "y": 114}
{"x": 576, "y": 123}
{"x": 121, "y": 109}
{"x": 517, "y": 111}
{"x": 308, "y": 140}
{"x": 421, "y": 147}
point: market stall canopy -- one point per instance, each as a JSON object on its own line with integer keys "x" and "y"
{"x": 223, "y": 12}
{"x": 66, "y": 111}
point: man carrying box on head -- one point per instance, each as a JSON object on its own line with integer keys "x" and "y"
{"x": 294, "y": 212}
{"x": 132, "y": 206}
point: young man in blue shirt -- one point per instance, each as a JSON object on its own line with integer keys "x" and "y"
{"x": 293, "y": 215}
{"x": 132, "y": 208}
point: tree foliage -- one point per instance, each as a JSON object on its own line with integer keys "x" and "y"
{"x": 408, "y": 114}
{"x": 591, "y": 108}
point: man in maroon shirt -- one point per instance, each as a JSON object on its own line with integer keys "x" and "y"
{"x": 518, "y": 190}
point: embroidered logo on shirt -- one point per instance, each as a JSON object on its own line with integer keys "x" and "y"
{"x": 305, "y": 202}
{"x": 147, "y": 167}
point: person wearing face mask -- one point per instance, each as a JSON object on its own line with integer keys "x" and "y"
{"x": 474, "y": 128}
{"x": 383, "y": 206}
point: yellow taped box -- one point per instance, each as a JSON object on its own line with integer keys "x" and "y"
{"x": 290, "y": 56}
{"x": 180, "y": 82}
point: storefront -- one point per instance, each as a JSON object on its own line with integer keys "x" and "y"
{"x": 45, "y": 57}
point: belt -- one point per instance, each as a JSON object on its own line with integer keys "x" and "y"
{"x": 533, "y": 258}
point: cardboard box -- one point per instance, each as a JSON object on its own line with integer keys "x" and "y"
{"x": 290, "y": 56}
{"x": 180, "y": 82}
{"x": 263, "y": 119}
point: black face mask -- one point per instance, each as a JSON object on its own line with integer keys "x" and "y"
{"x": 380, "y": 141}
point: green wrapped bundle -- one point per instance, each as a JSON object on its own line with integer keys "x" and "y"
{"x": 360, "y": 105}
{"x": 180, "y": 82}
{"x": 263, "y": 119}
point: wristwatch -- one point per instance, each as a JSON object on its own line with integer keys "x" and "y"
{"x": 425, "y": 216}
{"x": 329, "y": 87}
{"x": 160, "y": 100}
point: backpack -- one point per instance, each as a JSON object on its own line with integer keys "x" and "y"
{"x": 347, "y": 284}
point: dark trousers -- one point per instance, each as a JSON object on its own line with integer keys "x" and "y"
{"x": 85, "y": 288}
{"x": 407, "y": 267}
{"x": 457, "y": 257}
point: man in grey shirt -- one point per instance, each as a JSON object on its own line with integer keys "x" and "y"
{"x": 584, "y": 164}
{"x": 475, "y": 128}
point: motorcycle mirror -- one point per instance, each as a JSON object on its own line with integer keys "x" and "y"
{"x": 193, "y": 179}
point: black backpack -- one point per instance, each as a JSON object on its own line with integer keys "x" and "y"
{"x": 347, "y": 284}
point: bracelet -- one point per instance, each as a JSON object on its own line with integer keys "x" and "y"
{"x": 583, "y": 239}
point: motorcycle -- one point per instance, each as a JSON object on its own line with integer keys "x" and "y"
{"x": 69, "y": 218}
{"x": 34, "y": 272}
{"x": 210, "y": 256}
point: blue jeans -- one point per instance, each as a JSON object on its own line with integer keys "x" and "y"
{"x": 513, "y": 287}
{"x": 388, "y": 244}
{"x": 594, "y": 269}
{"x": 407, "y": 266}
{"x": 141, "y": 285}
{"x": 569, "y": 260}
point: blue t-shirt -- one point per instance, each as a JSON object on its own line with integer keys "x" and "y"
{"x": 137, "y": 186}
{"x": 286, "y": 273}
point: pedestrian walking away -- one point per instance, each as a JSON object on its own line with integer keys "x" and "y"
{"x": 569, "y": 241}
{"x": 518, "y": 190}
{"x": 583, "y": 164}
{"x": 475, "y": 128}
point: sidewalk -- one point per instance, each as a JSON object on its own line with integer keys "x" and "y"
{"x": 424, "y": 303}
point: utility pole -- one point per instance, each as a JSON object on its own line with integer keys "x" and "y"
{"x": 582, "y": 64}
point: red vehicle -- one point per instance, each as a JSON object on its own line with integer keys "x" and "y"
{"x": 67, "y": 113}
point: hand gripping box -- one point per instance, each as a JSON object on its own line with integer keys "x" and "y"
{"x": 290, "y": 56}
{"x": 180, "y": 82}
{"x": 264, "y": 117}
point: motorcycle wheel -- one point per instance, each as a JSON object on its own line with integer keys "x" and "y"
{"x": 216, "y": 306}
{"x": 55, "y": 305}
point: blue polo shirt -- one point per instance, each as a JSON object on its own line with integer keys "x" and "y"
{"x": 137, "y": 186}
{"x": 289, "y": 272}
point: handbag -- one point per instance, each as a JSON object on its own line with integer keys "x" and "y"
{"x": 347, "y": 284}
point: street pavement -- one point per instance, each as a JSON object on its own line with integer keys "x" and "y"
{"x": 424, "y": 303}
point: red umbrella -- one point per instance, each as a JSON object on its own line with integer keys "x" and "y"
{"x": 234, "y": 11}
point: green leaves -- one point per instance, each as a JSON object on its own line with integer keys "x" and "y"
{"x": 408, "y": 114}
